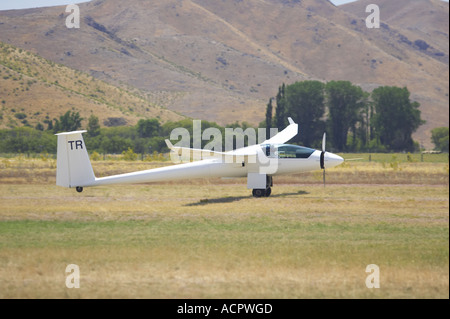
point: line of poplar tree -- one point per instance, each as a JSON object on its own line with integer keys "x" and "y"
{"x": 354, "y": 120}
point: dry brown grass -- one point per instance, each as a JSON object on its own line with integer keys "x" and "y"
{"x": 43, "y": 170}
{"x": 211, "y": 239}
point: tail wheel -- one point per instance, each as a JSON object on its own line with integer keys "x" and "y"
{"x": 79, "y": 189}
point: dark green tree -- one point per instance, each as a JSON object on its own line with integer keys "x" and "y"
{"x": 366, "y": 129}
{"x": 439, "y": 136}
{"x": 49, "y": 125}
{"x": 269, "y": 111}
{"x": 305, "y": 103}
{"x": 280, "y": 112}
{"x": 345, "y": 104}
{"x": 26, "y": 140}
{"x": 116, "y": 144}
{"x": 396, "y": 118}
{"x": 71, "y": 121}
{"x": 148, "y": 128}
{"x": 93, "y": 127}
{"x": 39, "y": 126}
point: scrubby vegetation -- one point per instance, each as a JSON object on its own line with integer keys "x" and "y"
{"x": 146, "y": 137}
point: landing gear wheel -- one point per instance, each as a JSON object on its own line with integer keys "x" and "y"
{"x": 79, "y": 189}
{"x": 259, "y": 192}
{"x": 268, "y": 192}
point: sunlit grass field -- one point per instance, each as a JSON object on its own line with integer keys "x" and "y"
{"x": 211, "y": 239}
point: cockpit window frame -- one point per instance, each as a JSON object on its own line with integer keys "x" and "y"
{"x": 289, "y": 151}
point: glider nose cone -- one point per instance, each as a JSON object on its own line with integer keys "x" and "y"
{"x": 332, "y": 160}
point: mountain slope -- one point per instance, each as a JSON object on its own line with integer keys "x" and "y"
{"x": 42, "y": 90}
{"x": 223, "y": 60}
{"x": 426, "y": 20}
{"x": 420, "y": 29}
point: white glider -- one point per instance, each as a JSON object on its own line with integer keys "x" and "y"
{"x": 259, "y": 163}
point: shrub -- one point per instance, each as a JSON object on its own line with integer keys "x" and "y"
{"x": 129, "y": 155}
{"x": 95, "y": 156}
{"x": 20, "y": 116}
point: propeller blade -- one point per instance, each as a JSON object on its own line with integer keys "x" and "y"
{"x": 322, "y": 160}
{"x": 322, "y": 156}
{"x": 324, "y": 141}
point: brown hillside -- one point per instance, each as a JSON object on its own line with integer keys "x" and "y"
{"x": 421, "y": 27}
{"x": 223, "y": 60}
{"x": 427, "y": 20}
{"x": 34, "y": 90}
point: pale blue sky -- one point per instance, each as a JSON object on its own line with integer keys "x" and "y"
{"x": 22, "y": 4}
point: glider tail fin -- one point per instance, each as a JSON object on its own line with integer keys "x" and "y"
{"x": 73, "y": 167}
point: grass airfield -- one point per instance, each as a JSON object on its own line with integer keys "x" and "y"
{"x": 211, "y": 239}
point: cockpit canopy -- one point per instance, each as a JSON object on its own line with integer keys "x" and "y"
{"x": 287, "y": 151}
